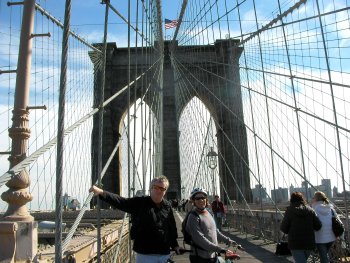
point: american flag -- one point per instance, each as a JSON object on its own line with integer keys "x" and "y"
{"x": 170, "y": 23}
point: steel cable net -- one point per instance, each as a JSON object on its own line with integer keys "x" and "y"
{"x": 269, "y": 94}
{"x": 9, "y": 41}
{"x": 196, "y": 125}
{"x": 79, "y": 98}
{"x": 46, "y": 59}
{"x": 142, "y": 157}
{"x": 293, "y": 69}
{"x": 276, "y": 88}
{"x": 84, "y": 61}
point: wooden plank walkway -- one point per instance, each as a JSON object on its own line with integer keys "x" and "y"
{"x": 256, "y": 250}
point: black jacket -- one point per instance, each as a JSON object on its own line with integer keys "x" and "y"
{"x": 153, "y": 228}
{"x": 300, "y": 222}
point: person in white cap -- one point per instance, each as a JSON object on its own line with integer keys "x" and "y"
{"x": 204, "y": 233}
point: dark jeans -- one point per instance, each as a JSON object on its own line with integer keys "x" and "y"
{"x": 300, "y": 256}
{"x": 197, "y": 259}
{"x": 218, "y": 220}
{"x": 323, "y": 250}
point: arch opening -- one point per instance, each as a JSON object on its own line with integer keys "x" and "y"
{"x": 137, "y": 161}
{"x": 197, "y": 138}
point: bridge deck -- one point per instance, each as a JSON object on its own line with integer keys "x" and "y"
{"x": 255, "y": 250}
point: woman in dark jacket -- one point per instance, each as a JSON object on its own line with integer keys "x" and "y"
{"x": 299, "y": 223}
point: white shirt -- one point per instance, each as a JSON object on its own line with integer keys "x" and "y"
{"x": 324, "y": 213}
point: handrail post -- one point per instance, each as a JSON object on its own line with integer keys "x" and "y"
{"x": 17, "y": 196}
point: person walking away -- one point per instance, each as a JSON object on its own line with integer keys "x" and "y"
{"x": 219, "y": 211}
{"x": 153, "y": 224}
{"x": 183, "y": 204}
{"x": 300, "y": 222}
{"x": 325, "y": 236}
{"x": 188, "y": 206}
{"x": 203, "y": 231}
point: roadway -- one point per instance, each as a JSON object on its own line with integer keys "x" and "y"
{"x": 256, "y": 250}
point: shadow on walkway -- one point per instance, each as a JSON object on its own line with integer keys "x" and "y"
{"x": 256, "y": 250}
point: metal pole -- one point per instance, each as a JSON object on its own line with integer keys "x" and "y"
{"x": 17, "y": 196}
{"x": 100, "y": 130}
{"x": 212, "y": 171}
{"x": 60, "y": 133}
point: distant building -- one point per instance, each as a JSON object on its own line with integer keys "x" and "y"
{"x": 304, "y": 187}
{"x": 342, "y": 194}
{"x": 280, "y": 195}
{"x": 259, "y": 194}
{"x": 324, "y": 187}
{"x": 335, "y": 192}
{"x": 337, "y": 195}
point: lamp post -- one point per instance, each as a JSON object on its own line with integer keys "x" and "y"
{"x": 212, "y": 163}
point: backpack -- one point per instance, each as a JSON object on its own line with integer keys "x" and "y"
{"x": 187, "y": 237}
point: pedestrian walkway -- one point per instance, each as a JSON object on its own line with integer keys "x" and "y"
{"x": 256, "y": 250}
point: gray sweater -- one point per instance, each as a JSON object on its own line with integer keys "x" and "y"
{"x": 205, "y": 234}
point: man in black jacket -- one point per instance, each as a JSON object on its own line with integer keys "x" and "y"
{"x": 153, "y": 224}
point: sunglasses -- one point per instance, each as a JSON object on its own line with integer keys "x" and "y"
{"x": 159, "y": 188}
{"x": 200, "y": 198}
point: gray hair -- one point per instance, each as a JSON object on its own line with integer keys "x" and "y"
{"x": 160, "y": 179}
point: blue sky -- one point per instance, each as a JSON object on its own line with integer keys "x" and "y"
{"x": 88, "y": 17}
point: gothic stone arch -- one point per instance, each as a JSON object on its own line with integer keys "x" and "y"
{"x": 228, "y": 115}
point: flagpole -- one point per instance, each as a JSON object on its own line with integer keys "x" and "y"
{"x": 165, "y": 29}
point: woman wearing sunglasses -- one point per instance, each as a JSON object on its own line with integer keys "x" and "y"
{"x": 203, "y": 231}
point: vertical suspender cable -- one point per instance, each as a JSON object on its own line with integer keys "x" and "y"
{"x": 135, "y": 91}
{"x": 120, "y": 240}
{"x": 202, "y": 153}
{"x": 182, "y": 12}
{"x": 159, "y": 35}
{"x": 268, "y": 116}
{"x": 295, "y": 102}
{"x": 143, "y": 106}
{"x": 60, "y": 133}
{"x": 151, "y": 142}
{"x": 149, "y": 95}
{"x": 100, "y": 129}
{"x": 128, "y": 115}
{"x": 335, "y": 118}
{"x": 253, "y": 124}
{"x": 128, "y": 112}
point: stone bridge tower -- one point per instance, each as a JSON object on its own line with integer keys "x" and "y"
{"x": 233, "y": 164}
